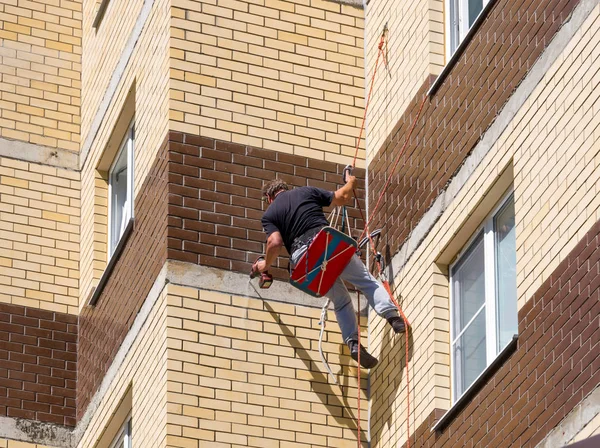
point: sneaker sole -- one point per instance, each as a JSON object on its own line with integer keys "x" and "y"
{"x": 366, "y": 360}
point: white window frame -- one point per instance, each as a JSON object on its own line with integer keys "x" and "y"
{"x": 126, "y": 145}
{"x": 124, "y": 435}
{"x": 457, "y": 23}
{"x": 490, "y": 303}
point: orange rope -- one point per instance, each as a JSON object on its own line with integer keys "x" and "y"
{"x": 366, "y": 230}
{"x": 362, "y": 126}
{"x": 358, "y": 360}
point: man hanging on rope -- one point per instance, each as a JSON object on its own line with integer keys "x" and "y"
{"x": 293, "y": 219}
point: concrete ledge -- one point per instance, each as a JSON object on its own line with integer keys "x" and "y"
{"x": 43, "y": 155}
{"x": 356, "y": 3}
{"x": 227, "y": 282}
{"x": 24, "y": 430}
{"x": 574, "y": 422}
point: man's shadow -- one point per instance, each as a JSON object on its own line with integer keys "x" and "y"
{"x": 343, "y": 410}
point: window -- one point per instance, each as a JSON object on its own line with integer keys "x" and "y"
{"x": 461, "y": 16}
{"x": 483, "y": 297}
{"x": 120, "y": 192}
{"x": 123, "y": 439}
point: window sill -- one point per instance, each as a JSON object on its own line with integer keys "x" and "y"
{"x": 461, "y": 48}
{"x": 474, "y": 389}
{"x": 95, "y": 293}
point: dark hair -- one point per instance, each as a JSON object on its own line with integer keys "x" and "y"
{"x": 273, "y": 187}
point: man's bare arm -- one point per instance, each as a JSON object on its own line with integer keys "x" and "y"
{"x": 274, "y": 245}
{"x": 343, "y": 195}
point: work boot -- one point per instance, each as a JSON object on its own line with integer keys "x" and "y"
{"x": 366, "y": 360}
{"x": 397, "y": 324}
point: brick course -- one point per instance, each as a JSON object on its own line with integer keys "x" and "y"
{"x": 215, "y": 202}
{"x": 40, "y": 72}
{"x": 458, "y": 114}
{"x": 38, "y": 364}
{"x": 556, "y": 364}
{"x": 39, "y": 236}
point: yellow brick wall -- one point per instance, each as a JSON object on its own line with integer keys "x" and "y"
{"x": 247, "y": 372}
{"x": 40, "y": 72}
{"x": 415, "y": 49}
{"x": 276, "y": 74}
{"x": 102, "y": 50}
{"x": 147, "y": 73}
{"x": 15, "y": 444}
{"x": 39, "y": 236}
{"x": 555, "y": 149}
{"x": 144, "y": 370}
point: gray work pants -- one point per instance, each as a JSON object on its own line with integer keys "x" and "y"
{"x": 358, "y": 275}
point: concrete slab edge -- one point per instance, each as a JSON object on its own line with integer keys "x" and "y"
{"x": 235, "y": 283}
{"x": 491, "y": 136}
{"x": 574, "y": 422}
{"x": 24, "y": 430}
{"x": 42, "y": 155}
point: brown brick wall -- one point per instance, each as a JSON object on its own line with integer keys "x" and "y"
{"x": 502, "y": 51}
{"x": 104, "y": 326}
{"x": 38, "y": 364}
{"x": 215, "y": 202}
{"x": 555, "y": 366}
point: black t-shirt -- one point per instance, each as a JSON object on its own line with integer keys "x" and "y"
{"x": 295, "y": 212}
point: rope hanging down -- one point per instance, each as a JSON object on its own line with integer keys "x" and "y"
{"x": 366, "y": 231}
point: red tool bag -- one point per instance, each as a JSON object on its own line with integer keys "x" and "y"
{"x": 319, "y": 267}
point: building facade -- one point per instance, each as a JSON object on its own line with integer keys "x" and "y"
{"x": 135, "y": 138}
{"x": 491, "y": 221}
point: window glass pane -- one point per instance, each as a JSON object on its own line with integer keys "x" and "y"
{"x": 475, "y": 7}
{"x": 469, "y": 354}
{"x": 454, "y": 28}
{"x": 119, "y": 213}
{"x": 468, "y": 279}
{"x": 506, "y": 274}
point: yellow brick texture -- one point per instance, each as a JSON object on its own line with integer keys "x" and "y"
{"x": 40, "y": 72}
{"x": 247, "y": 372}
{"x": 39, "y": 236}
{"x": 14, "y": 444}
{"x": 270, "y": 62}
{"x": 143, "y": 370}
{"x": 146, "y": 75}
{"x": 554, "y": 148}
{"x": 415, "y": 48}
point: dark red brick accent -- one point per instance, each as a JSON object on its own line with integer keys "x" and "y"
{"x": 502, "y": 51}
{"x": 215, "y": 201}
{"x": 556, "y": 364}
{"x": 38, "y": 364}
{"x": 103, "y": 328}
